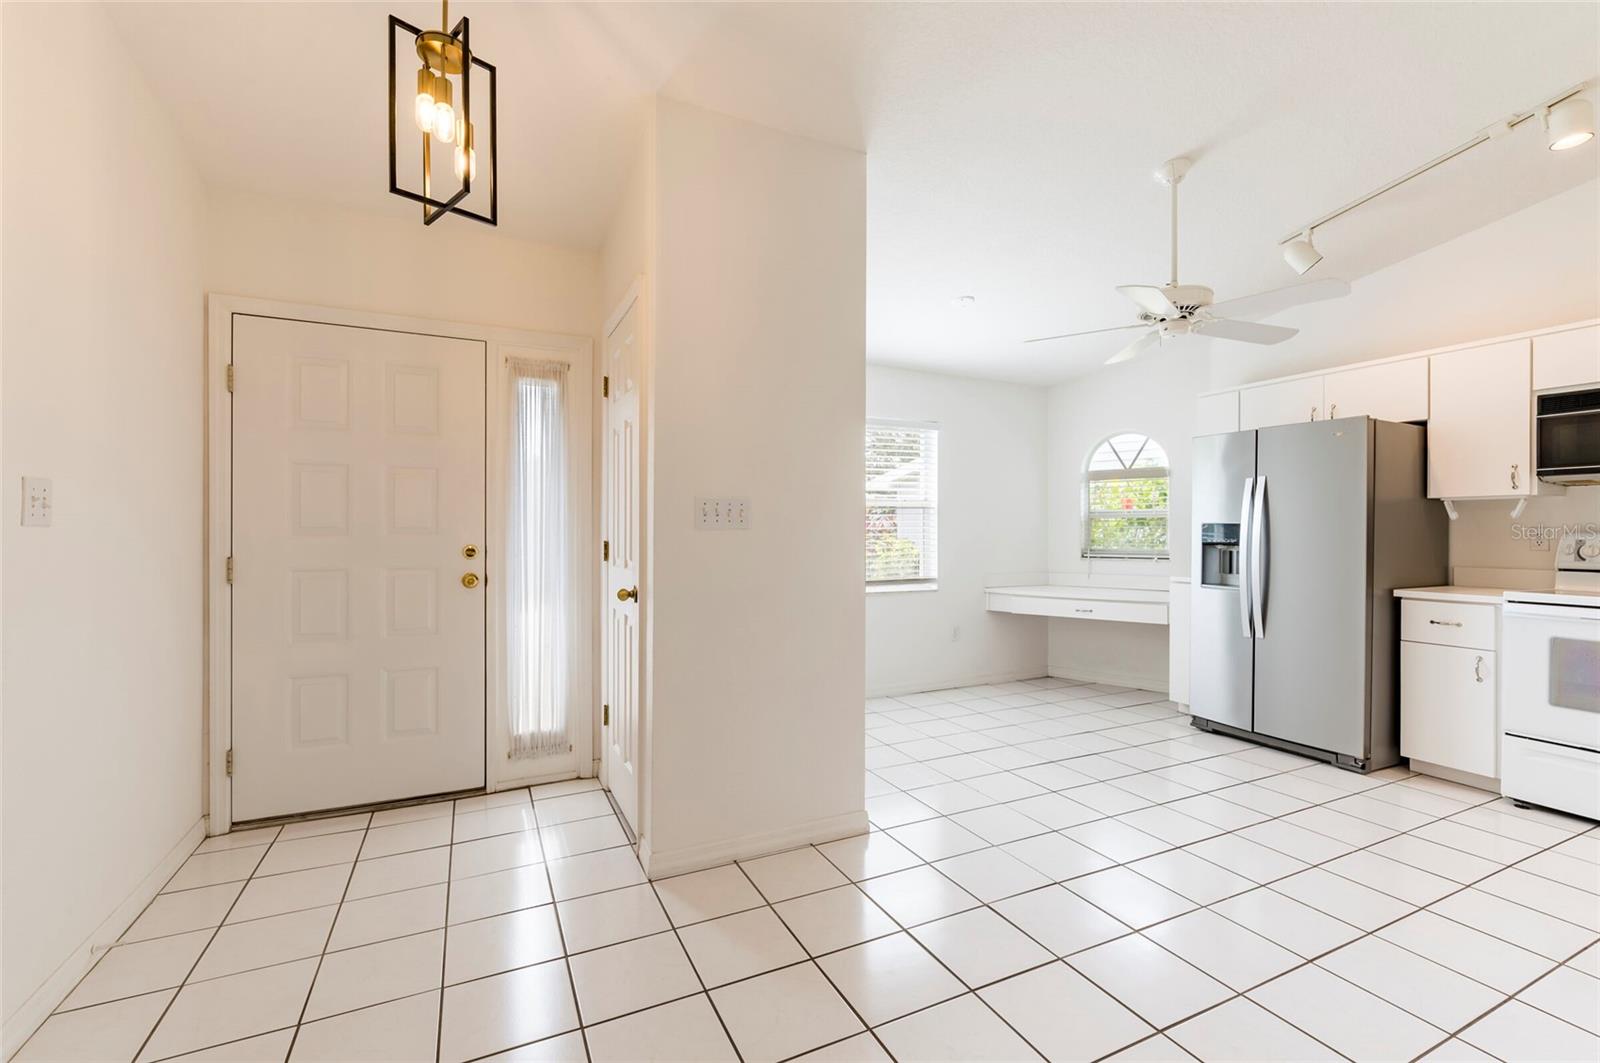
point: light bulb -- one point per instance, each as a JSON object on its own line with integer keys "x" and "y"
{"x": 444, "y": 112}
{"x": 424, "y": 108}
{"x": 466, "y": 156}
{"x": 1569, "y": 123}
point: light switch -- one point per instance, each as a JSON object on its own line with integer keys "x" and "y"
{"x": 721, "y": 514}
{"x": 35, "y": 502}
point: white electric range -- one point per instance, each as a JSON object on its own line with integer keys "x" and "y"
{"x": 1550, "y": 685}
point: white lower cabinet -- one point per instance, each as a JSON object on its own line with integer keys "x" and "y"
{"x": 1449, "y": 693}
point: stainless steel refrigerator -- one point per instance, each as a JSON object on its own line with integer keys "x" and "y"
{"x": 1301, "y": 533}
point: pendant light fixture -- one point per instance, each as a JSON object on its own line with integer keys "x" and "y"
{"x": 442, "y": 113}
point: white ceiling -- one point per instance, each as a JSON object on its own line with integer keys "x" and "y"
{"x": 1009, "y": 147}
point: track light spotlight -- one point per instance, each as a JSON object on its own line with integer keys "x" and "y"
{"x": 1300, "y": 254}
{"x": 1569, "y": 123}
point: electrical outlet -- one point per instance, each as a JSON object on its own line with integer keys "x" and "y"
{"x": 955, "y": 633}
{"x": 1540, "y": 540}
{"x": 36, "y": 504}
{"x": 722, "y": 514}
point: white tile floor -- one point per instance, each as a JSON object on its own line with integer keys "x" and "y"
{"x": 1056, "y": 869}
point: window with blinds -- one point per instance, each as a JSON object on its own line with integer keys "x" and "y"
{"x": 902, "y": 503}
{"x": 1125, "y": 488}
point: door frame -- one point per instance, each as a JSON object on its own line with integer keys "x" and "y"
{"x": 636, "y": 294}
{"x": 498, "y": 343}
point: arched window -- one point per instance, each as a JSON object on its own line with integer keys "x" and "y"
{"x": 1125, "y": 486}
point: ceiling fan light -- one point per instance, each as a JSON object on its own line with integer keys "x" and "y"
{"x": 1569, "y": 123}
{"x": 1300, "y": 254}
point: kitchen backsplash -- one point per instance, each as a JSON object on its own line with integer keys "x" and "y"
{"x": 1485, "y": 535}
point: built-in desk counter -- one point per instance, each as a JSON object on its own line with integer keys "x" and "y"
{"x": 1127, "y": 605}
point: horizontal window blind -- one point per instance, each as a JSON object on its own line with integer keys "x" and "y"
{"x": 902, "y": 502}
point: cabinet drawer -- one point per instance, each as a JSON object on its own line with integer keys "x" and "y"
{"x": 1447, "y": 707}
{"x": 1448, "y": 623}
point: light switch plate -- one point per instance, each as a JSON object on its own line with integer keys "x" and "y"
{"x": 35, "y": 502}
{"x": 721, "y": 514}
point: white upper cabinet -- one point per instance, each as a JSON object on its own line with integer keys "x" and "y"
{"x": 1286, "y": 402}
{"x": 1215, "y": 414}
{"x": 1390, "y": 391}
{"x": 1567, "y": 359}
{"x": 1480, "y": 430}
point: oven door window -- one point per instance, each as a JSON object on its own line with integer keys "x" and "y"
{"x": 1575, "y": 674}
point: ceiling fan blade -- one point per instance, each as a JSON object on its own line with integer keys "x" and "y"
{"x": 1091, "y": 332}
{"x": 1246, "y": 331}
{"x": 1265, "y": 304}
{"x": 1151, "y": 300}
{"x": 1136, "y": 348}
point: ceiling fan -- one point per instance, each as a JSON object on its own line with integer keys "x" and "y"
{"x": 1187, "y": 310}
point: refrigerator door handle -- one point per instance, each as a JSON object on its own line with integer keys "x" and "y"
{"x": 1244, "y": 559}
{"x": 1259, "y": 529}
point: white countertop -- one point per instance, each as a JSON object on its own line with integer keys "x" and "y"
{"x": 1082, "y": 593}
{"x": 1486, "y": 595}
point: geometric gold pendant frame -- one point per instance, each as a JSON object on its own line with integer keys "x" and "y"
{"x": 447, "y": 57}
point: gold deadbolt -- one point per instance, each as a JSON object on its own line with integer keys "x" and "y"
{"x": 469, "y": 551}
{"x": 469, "y": 580}
{"x": 628, "y": 592}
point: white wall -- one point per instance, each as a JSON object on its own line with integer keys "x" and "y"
{"x": 1154, "y": 396}
{"x": 991, "y": 530}
{"x": 455, "y": 270}
{"x": 1537, "y": 267}
{"x": 756, "y": 668}
{"x": 101, "y": 613}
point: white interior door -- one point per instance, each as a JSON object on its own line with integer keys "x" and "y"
{"x": 623, "y": 494}
{"x": 358, "y": 485}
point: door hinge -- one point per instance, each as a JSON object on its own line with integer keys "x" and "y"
{"x": 230, "y": 569}
{"x": 230, "y": 378}
{"x": 605, "y": 549}
{"x": 227, "y": 762}
{"x": 605, "y": 387}
{"x": 605, "y": 716}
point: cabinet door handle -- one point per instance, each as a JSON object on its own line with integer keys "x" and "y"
{"x": 1333, "y": 411}
{"x": 1083, "y": 610}
{"x": 1448, "y": 623}
{"x": 1513, "y": 477}
{"x": 1477, "y": 669}
{"x": 1313, "y": 413}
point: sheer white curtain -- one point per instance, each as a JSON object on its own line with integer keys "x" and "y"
{"x": 538, "y": 562}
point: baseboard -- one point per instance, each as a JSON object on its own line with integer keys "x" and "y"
{"x": 1111, "y": 677}
{"x": 894, "y": 689}
{"x": 1455, "y": 775}
{"x": 713, "y": 854}
{"x": 30, "y": 1015}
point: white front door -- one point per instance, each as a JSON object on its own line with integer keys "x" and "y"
{"x": 358, "y": 487}
{"x": 623, "y": 494}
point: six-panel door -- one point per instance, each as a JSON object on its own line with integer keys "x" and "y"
{"x": 358, "y": 484}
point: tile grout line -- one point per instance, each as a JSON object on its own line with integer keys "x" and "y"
{"x": 317, "y": 973}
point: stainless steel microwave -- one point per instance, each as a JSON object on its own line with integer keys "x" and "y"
{"x": 1567, "y": 437}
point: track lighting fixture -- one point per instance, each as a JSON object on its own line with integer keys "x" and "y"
{"x": 1300, "y": 254}
{"x": 1569, "y": 123}
{"x": 1568, "y": 120}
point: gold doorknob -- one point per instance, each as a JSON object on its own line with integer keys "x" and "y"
{"x": 470, "y": 580}
{"x": 628, "y": 592}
